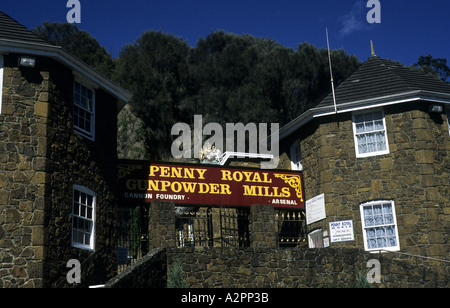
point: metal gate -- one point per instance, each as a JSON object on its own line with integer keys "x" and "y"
{"x": 132, "y": 231}
{"x": 291, "y": 227}
{"x": 212, "y": 227}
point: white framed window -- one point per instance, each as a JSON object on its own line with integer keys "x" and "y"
{"x": 379, "y": 226}
{"x": 84, "y": 110}
{"x": 1, "y": 82}
{"x": 296, "y": 156}
{"x": 83, "y": 217}
{"x": 369, "y": 130}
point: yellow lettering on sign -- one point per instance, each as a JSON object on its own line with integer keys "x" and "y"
{"x": 186, "y": 187}
{"x": 266, "y": 191}
{"x": 177, "y": 172}
{"x": 226, "y": 175}
{"x": 247, "y": 176}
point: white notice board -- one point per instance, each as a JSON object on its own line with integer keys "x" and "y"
{"x": 341, "y": 231}
{"x": 315, "y": 209}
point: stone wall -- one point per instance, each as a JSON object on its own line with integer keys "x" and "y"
{"x": 415, "y": 175}
{"x": 41, "y": 158}
{"x": 23, "y": 151}
{"x": 301, "y": 268}
{"x": 75, "y": 160}
{"x": 263, "y": 232}
{"x": 148, "y": 272}
{"x": 264, "y": 265}
{"x": 161, "y": 226}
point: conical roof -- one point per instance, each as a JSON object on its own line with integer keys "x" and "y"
{"x": 378, "y": 78}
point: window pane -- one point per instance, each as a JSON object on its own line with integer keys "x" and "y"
{"x": 360, "y": 128}
{"x": 378, "y": 115}
{"x": 368, "y": 117}
{"x": 87, "y": 239}
{"x": 368, "y": 210}
{"x": 83, "y": 91}
{"x": 387, "y": 208}
{"x": 369, "y": 126}
{"x": 381, "y": 242}
{"x": 359, "y": 118}
{"x": 76, "y": 209}
{"x": 83, "y": 102}
{"x": 77, "y": 98}
{"x": 377, "y": 209}
{"x": 379, "y": 220}
{"x": 379, "y": 125}
{"x": 372, "y": 243}
{"x": 369, "y": 221}
{"x": 83, "y": 198}
{"x": 371, "y": 233}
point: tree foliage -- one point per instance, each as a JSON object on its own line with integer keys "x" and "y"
{"x": 226, "y": 78}
{"x": 79, "y": 43}
{"x": 154, "y": 70}
{"x": 434, "y": 67}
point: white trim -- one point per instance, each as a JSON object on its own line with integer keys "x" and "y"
{"x": 355, "y": 138}
{"x": 363, "y": 225}
{"x": 87, "y": 191}
{"x": 1, "y": 82}
{"x": 60, "y": 55}
{"x": 407, "y": 97}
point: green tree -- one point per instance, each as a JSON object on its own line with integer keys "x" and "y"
{"x": 154, "y": 70}
{"x": 79, "y": 43}
{"x": 226, "y": 78}
{"x": 434, "y": 67}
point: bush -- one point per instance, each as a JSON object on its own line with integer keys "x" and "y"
{"x": 176, "y": 277}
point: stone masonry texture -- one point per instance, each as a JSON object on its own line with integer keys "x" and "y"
{"x": 41, "y": 158}
{"x": 415, "y": 175}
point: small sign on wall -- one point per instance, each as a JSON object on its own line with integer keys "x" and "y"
{"x": 315, "y": 209}
{"x": 341, "y": 231}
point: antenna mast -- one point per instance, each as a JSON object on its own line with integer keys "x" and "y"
{"x": 331, "y": 73}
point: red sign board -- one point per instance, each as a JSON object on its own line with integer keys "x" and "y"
{"x": 208, "y": 185}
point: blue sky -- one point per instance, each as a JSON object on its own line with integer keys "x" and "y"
{"x": 407, "y": 30}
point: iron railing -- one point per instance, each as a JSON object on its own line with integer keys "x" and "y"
{"x": 291, "y": 228}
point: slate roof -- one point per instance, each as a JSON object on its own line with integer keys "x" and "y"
{"x": 376, "y": 82}
{"x": 10, "y": 29}
{"x": 382, "y": 78}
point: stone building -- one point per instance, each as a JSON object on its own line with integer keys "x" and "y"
{"x": 58, "y": 152}
{"x": 381, "y": 158}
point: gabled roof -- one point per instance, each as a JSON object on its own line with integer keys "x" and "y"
{"x": 16, "y": 38}
{"x": 377, "y": 82}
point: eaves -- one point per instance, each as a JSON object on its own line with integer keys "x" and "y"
{"x": 412, "y": 96}
{"x": 76, "y": 65}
